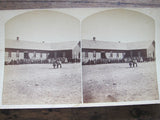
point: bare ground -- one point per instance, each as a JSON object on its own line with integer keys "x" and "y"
{"x": 118, "y": 82}
{"x": 41, "y": 84}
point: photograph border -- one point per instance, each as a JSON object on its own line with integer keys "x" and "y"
{"x": 154, "y": 12}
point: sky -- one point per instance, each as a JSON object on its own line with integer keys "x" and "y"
{"x": 119, "y": 25}
{"x": 43, "y": 26}
{"x": 110, "y": 25}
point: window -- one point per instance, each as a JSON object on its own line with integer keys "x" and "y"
{"x": 40, "y": 55}
{"x": 34, "y": 54}
{"x": 123, "y": 54}
{"x": 111, "y": 54}
{"x": 103, "y": 55}
{"x": 117, "y": 54}
{"x": 47, "y": 55}
{"x": 86, "y": 54}
{"x": 55, "y": 54}
{"x": 9, "y": 54}
{"x": 26, "y": 56}
{"x": 94, "y": 53}
{"x": 17, "y": 54}
{"x": 139, "y": 54}
{"x": 64, "y": 54}
{"x": 131, "y": 54}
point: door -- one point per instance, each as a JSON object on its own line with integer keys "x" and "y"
{"x": 103, "y": 55}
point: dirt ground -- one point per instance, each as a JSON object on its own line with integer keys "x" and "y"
{"x": 41, "y": 84}
{"x": 118, "y": 82}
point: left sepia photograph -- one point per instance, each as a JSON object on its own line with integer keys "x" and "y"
{"x": 42, "y": 59}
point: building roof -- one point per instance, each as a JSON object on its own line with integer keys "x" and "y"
{"x": 139, "y": 45}
{"x": 95, "y": 44}
{"x": 69, "y": 45}
{"x": 19, "y": 44}
{"x": 91, "y": 44}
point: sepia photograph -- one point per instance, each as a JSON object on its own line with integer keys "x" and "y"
{"x": 79, "y": 57}
{"x": 42, "y": 59}
{"x": 118, "y": 57}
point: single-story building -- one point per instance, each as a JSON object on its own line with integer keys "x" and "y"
{"x": 107, "y": 51}
{"x": 19, "y": 51}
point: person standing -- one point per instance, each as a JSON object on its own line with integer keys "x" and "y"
{"x": 54, "y": 63}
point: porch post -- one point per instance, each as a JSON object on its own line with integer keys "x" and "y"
{"x": 2, "y": 57}
{"x": 157, "y": 48}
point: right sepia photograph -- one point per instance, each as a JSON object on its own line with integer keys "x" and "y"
{"x": 118, "y": 57}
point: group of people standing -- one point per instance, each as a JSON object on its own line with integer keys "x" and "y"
{"x": 133, "y": 63}
{"x": 57, "y": 63}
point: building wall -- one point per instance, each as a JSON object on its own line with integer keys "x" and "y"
{"x": 7, "y": 58}
{"x": 98, "y": 55}
{"x": 19, "y": 54}
{"x": 136, "y": 53}
{"x": 118, "y": 56}
{"x": 151, "y": 52}
{"x": 40, "y": 55}
{"x": 76, "y": 52}
{"x": 60, "y": 54}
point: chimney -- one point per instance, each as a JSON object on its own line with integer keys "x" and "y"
{"x": 17, "y": 38}
{"x": 94, "y": 38}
